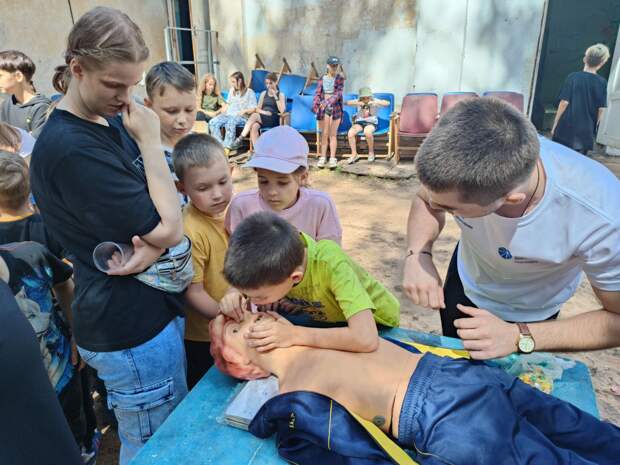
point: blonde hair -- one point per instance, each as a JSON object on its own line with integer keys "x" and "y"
{"x": 101, "y": 35}
{"x": 202, "y": 87}
{"x": 10, "y": 138}
{"x": 14, "y": 181}
{"x": 597, "y": 55}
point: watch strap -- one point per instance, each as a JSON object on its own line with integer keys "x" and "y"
{"x": 524, "y": 330}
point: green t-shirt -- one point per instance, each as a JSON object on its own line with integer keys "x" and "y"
{"x": 212, "y": 102}
{"x": 335, "y": 288}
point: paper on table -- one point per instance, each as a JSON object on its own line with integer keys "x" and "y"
{"x": 246, "y": 404}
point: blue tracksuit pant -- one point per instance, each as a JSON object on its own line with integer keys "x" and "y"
{"x": 463, "y": 413}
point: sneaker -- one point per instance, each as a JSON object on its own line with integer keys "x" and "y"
{"x": 371, "y": 157}
{"x": 352, "y": 159}
{"x": 322, "y": 162}
{"x": 333, "y": 163}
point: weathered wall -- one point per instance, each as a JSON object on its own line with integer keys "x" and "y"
{"x": 39, "y": 28}
{"x": 477, "y": 45}
{"x": 374, "y": 38}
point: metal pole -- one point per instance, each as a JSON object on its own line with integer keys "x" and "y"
{"x": 167, "y": 44}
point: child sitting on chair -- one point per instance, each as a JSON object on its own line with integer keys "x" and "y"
{"x": 364, "y": 120}
{"x": 210, "y": 102}
{"x": 281, "y": 163}
{"x": 314, "y": 283}
{"x": 271, "y": 104}
{"x": 448, "y": 411}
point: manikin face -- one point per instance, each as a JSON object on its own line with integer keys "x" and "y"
{"x": 452, "y": 202}
{"x": 234, "y": 333}
{"x": 176, "y": 111}
{"x": 279, "y": 190}
{"x": 209, "y": 187}
{"x": 106, "y": 91}
{"x": 9, "y": 81}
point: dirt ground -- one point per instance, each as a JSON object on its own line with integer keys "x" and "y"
{"x": 373, "y": 213}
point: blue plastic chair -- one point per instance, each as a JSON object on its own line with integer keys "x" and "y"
{"x": 257, "y": 80}
{"x": 310, "y": 89}
{"x": 291, "y": 84}
{"x": 302, "y": 117}
{"x": 347, "y": 115}
{"x": 56, "y": 97}
{"x": 224, "y": 94}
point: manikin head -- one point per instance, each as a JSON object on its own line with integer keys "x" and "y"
{"x": 229, "y": 349}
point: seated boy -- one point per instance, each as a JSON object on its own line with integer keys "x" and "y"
{"x": 18, "y": 221}
{"x": 313, "y": 283}
{"x": 33, "y": 274}
{"x": 365, "y": 120}
{"x": 24, "y": 107}
{"x": 448, "y": 411}
{"x": 205, "y": 177}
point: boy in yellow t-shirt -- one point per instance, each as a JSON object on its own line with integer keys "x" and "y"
{"x": 205, "y": 177}
{"x": 313, "y": 283}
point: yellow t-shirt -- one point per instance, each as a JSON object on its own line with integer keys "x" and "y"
{"x": 335, "y": 288}
{"x": 209, "y": 244}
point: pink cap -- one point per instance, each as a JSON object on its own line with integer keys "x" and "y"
{"x": 281, "y": 149}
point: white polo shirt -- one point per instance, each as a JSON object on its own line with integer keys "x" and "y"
{"x": 524, "y": 269}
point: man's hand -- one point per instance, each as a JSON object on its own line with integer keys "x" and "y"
{"x": 142, "y": 123}
{"x": 267, "y": 335}
{"x": 76, "y": 360}
{"x": 484, "y": 335}
{"x": 233, "y": 305}
{"x": 144, "y": 255}
{"x": 422, "y": 283}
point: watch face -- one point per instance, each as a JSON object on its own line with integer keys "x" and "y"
{"x": 526, "y": 344}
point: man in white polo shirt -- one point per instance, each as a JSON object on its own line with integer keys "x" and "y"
{"x": 533, "y": 216}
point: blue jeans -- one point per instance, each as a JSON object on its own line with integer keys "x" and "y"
{"x": 144, "y": 383}
{"x": 230, "y": 123}
{"x": 460, "y": 412}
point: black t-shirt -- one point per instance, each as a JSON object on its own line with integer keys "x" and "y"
{"x": 89, "y": 188}
{"x": 585, "y": 93}
{"x": 29, "y": 228}
{"x": 33, "y": 428}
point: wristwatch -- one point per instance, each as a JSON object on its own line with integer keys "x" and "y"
{"x": 525, "y": 343}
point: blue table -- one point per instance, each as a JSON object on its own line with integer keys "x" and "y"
{"x": 195, "y": 434}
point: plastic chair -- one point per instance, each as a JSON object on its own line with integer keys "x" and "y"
{"x": 450, "y": 99}
{"x": 347, "y": 115}
{"x": 514, "y": 98}
{"x": 302, "y": 117}
{"x": 257, "y": 80}
{"x": 310, "y": 89}
{"x": 56, "y": 97}
{"x": 417, "y": 117}
{"x": 291, "y": 84}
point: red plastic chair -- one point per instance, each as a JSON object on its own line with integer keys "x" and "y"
{"x": 514, "y": 98}
{"x": 417, "y": 117}
{"x": 452, "y": 98}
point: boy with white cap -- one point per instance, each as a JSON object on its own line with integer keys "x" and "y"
{"x": 281, "y": 163}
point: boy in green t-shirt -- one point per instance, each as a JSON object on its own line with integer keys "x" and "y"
{"x": 312, "y": 283}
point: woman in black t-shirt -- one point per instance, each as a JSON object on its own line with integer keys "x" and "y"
{"x": 97, "y": 178}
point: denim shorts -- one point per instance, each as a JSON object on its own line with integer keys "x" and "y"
{"x": 144, "y": 384}
{"x": 463, "y": 412}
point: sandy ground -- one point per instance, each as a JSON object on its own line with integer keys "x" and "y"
{"x": 373, "y": 214}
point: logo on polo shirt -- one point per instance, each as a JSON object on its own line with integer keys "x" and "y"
{"x": 504, "y": 253}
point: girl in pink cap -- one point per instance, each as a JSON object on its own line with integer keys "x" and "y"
{"x": 281, "y": 163}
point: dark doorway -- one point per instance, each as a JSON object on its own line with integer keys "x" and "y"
{"x": 571, "y": 27}
{"x": 184, "y": 38}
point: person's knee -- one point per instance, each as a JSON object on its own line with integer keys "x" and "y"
{"x": 369, "y": 132}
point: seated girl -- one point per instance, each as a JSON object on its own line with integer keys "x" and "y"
{"x": 364, "y": 120}
{"x": 210, "y": 101}
{"x": 271, "y": 105}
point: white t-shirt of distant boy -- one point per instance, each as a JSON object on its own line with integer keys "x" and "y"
{"x": 524, "y": 269}
{"x": 237, "y": 103}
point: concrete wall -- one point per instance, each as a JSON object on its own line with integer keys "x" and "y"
{"x": 39, "y": 28}
{"x": 374, "y": 38}
{"x": 477, "y": 45}
{"x": 398, "y": 46}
